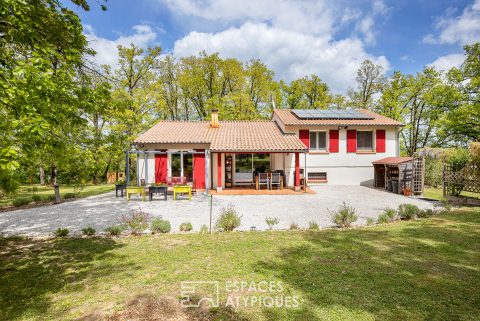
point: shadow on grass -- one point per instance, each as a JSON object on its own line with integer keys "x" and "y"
{"x": 428, "y": 269}
{"x": 31, "y": 270}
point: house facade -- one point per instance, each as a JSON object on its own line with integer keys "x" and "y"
{"x": 304, "y": 146}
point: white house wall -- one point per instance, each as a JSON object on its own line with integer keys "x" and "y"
{"x": 343, "y": 168}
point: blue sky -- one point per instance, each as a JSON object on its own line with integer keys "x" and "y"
{"x": 294, "y": 38}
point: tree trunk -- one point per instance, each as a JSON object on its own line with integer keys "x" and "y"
{"x": 55, "y": 185}
{"x": 42, "y": 176}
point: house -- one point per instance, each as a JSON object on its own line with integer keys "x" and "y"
{"x": 323, "y": 146}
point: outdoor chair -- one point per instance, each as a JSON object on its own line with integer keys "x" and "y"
{"x": 275, "y": 180}
{"x": 263, "y": 180}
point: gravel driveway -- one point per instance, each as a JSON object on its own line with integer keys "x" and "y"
{"x": 103, "y": 210}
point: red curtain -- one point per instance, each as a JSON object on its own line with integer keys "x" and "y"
{"x": 161, "y": 169}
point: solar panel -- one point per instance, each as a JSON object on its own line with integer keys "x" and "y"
{"x": 329, "y": 114}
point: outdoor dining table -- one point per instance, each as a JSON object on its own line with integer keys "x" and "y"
{"x": 140, "y": 190}
{"x": 182, "y": 189}
{"x": 157, "y": 190}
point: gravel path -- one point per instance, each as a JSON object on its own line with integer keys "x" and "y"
{"x": 103, "y": 210}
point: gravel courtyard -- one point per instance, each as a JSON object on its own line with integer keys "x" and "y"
{"x": 103, "y": 210}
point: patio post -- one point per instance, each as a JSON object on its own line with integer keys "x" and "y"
{"x": 127, "y": 166}
{"x": 297, "y": 171}
{"x": 207, "y": 166}
{"x": 219, "y": 172}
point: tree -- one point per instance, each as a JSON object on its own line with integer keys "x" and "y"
{"x": 309, "y": 92}
{"x": 370, "y": 81}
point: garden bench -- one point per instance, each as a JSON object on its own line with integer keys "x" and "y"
{"x": 140, "y": 190}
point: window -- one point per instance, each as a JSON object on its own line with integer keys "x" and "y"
{"x": 317, "y": 176}
{"x": 318, "y": 141}
{"x": 365, "y": 140}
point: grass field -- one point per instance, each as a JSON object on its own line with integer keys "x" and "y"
{"x": 419, "y": 270}
{"x": 437, "y": 193}
{"x": 26, "y": 190}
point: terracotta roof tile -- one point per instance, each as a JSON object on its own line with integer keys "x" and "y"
{"x": 229, "y": 136}
{"x": 289, "y": 119}
{"x": 393, "y": 160}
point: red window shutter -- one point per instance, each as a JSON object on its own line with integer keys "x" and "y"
{"x": 351, "y": 141}
{"x": 333, "y": 144}
{"x": 380, "y": 141}
{"x": 199, "y": 170}
{"x": 305, "y": 137}
{"x": 161, "y": 169}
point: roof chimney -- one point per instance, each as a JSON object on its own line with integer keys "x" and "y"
{"x": 214, "y": 121}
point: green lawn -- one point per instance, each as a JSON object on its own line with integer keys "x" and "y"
{"x": 26, "y": 190}
{"x": 428, "y": 269}
{"x": 437, "y": 193}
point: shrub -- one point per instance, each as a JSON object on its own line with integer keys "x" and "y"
{"x": 370, "y": 221}
{"x": 89, "y": 231}
{"x": 160, "y": 226}
{"x": 229, "y": 219}
{"x": 294, "y": 226}
{"x": 408, "y": 211}
{"x": 136, "y": 222}
{"x": 20, "y": 201}
{"x": 115, "y": 230}
{"x": 186, "y": 227}
{"x": 68, "y": 196}
{"x": 390, "y": 213}
{"x": 312, "y": 225}
{"x": 383, "y": 218}
{"x": 50, "y": 197}
{"x": 426, "y": 213}
{"x": 204, "y": 229}
{"x": 272, "y": 221}
{"x": 37, "y": 198}
{"x": 344, "y": 216}
{"x": 61, "y": 232}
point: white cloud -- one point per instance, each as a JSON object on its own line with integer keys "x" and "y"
{"x": 106, "y": 49}
{"x": 291, "y": 54}
{"x": 445, "y": 63}
{"x": 462, "y": 29}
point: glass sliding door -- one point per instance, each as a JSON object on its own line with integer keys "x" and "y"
{"x": 176, "y": 165}
{"x": 188, "y": 166}
{"x": 243, "y": 169}
{"x": 185, "y": 160}
{"x": 261, "y": 163}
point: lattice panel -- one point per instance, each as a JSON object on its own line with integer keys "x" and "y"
{"x": 468, "y": 178}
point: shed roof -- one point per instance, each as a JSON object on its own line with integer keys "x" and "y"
{"x": 392, "y": 160}
{"x": 230, "y": 136}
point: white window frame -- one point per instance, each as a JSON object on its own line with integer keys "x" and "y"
{"x": 316, "y": 149}
{"x": 373, "y": 141}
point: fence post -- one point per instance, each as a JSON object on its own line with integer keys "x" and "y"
{"x": 444, "y": 181}
{"x": 211, "y": 205}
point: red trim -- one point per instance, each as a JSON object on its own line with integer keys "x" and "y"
{"x": 304, "y": 135}
{"x": 161, "y": 169}
{"x": 380, "y": 141}
{"x": 333, "y": 144}
{"x": 219, "y": 170}
{"x": 297, "y": 169}
{"x": 199, "y": 170}
{"x": 351, "y": 141}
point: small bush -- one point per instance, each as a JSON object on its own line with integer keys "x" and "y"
{"x": 20, "y": 201}
{"x": 160, "y": 226}
{"x": 426, "y": 213}
{"x": 390, "y": 213}
{"x": 312, "y": 225}
{"x": 344, "y": 216}
{"x": 89, "y": 231}
{"x": 136, "y": 222}
{"x": 61, "y": 232}
{"x": 383, "y": 218}
{"x": 294, "y": 226}
{"x": 37, "y": 198}
{"x": 370, "y": 221}
{"x": 229, "y": 219}
{"x": 408, "y": 211}
{"x": 186, "y": 227}
{"x": 272, "y": 221}
{"x": 50, "y": 197}
{"x": 68, "y": 196}
{"x": 204, "y": 229}
{"x": 114, "y": 230}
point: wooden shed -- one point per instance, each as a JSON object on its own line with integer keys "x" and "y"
{"x": 400, "y": 175}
